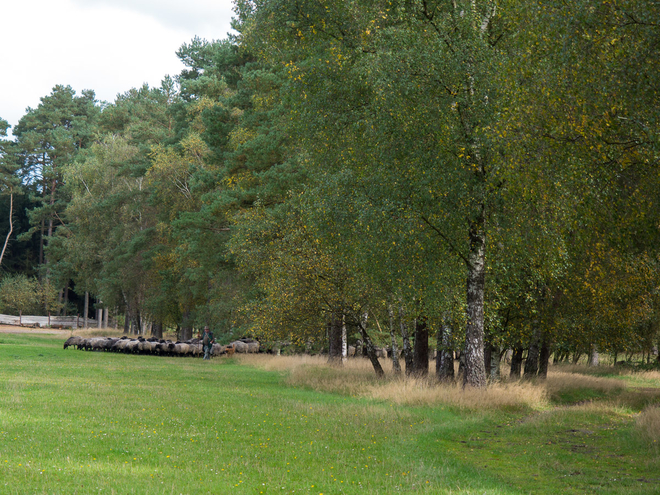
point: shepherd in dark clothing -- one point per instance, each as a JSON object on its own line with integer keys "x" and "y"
{"x": 207, "y": 342}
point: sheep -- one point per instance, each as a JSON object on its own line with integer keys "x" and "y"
{"x": 240, "y": 347}
{"x": 160, "y": 347}
{"x": 181, "y": 349}
{"x": 73, "y": 341}
{"x": 253, "y": 347}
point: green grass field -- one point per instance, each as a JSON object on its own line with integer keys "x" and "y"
{"x": 83, "y": 422}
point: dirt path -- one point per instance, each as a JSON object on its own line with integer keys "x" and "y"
{"x": 49, "y": 331}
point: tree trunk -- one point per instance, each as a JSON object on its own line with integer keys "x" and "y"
{"x": 576, "y": 357}
{"x": 532, "y": 361}
{"x": 99, "y": 317}
{"x": 371, "y": 351}
{"x": 105, "y": 317}
{"x": 334, "y": 339}
{"x": 157, "y": 329}
{"x": 11, "y": 224}
{"x": 407, "y": 349}
{"x": 344, "y": 342}
{"x": 396, "y": 366}
{"x": 461, "y": 364}
{"x": 186, "y": 327}
{"x": 487, "y": 356}
{"x": 495, "y": 360}
{"x": 475, "y": 373}
{"x": 593, "y": 356}
{"x": 86, "y": 317}
{"x": 41, "y": 243}
{"x": 421, "y": 349}
{"x": 544, "y": 359}
{"x": 444, "y": 360}
{"x": 516, "y": 363}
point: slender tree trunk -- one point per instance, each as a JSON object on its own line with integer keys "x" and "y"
{"x": 532, "y": 362}
{"x": 475, "y": 373}
{"x": 105, "y": 317}
{"x": 344, "y": 342}
{"x": 593, "y": 356}
{"x": 99, "y": 317}
{"x": 544, "y": 359}
{"x": 576, "y": 357}
{"x": 421, "y": 348}
{"x": 487, "y": 356}
{"x": 334, "y": 339}
{"x": 371, "y": 351}
{"x": 41, "y": 242}
{"x": 396, "y": 366}
{"x": 86, "y": 317}
{"x": 461, "y": 364}
{"x": 516, "y": 363}
{"x": 444, "y": 364}
{"x": 407, "y": 349}
{"x": 495, "y": 360}
{"x": 11, "y": 224}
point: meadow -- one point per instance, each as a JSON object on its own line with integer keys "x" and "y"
{"x": 84, "y": 422}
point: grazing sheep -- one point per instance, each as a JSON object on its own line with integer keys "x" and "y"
{"x": 153, "y": 346}
{"x": 181, "y": 349}
{"x": 240, "y": 347}
{"x": 73, "y": 341}
{"x": 253, "y": 347}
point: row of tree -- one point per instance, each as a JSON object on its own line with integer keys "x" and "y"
{"x": 482, "y": 172}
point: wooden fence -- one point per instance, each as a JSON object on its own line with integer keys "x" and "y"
{"x": 47, "y": 321}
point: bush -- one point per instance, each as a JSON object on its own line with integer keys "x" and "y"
{"x": 21, "y": 295}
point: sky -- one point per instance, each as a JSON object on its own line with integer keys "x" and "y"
{"x": 109, "y": 46}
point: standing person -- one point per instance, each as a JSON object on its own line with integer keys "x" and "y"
{"x": 207, "y": 342}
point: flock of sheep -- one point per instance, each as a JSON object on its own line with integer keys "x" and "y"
{"x": 159, "y": 347}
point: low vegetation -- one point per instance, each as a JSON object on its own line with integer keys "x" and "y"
{"x": 113, "y": 423}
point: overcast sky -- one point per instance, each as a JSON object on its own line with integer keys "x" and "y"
{"x": 109, "y": 46}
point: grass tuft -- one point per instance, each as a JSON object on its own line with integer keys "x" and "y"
{"x": 648, "y": 425}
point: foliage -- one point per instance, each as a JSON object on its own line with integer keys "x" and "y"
{"x": 20, "y": 294}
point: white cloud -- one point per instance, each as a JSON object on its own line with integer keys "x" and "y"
{"x": 207, "y": 18}
{"x": 107, "y": 46}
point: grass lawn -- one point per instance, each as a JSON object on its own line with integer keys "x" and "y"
{"x": 83, "y": 422}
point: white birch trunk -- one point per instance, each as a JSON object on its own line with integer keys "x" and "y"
{"x": 344, "y": 344}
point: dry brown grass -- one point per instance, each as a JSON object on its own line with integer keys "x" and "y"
{"x": 648, "y": 424}
{"x": 563, "y": 380}
{"x": 650, "y": 375}
{"x": 357, "y": 378}
{"x": 429, "y": 392}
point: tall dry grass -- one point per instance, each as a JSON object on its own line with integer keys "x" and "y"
{"x": 357, "y": 378}
{"x": 563, "y": 380}
{"x": 648, "y": 424}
